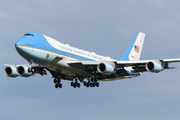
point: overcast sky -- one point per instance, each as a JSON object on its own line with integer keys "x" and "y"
{"x": 106, "y": 27}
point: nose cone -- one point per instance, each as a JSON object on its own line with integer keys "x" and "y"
{"x": 18, "y": 47}
{"x": 19, "y": 42}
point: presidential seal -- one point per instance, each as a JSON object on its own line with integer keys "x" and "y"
{"x": 47, "y": 56}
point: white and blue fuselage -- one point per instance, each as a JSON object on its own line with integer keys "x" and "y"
{"x": 69, "y": 63}
{"x": 54, "y": 55}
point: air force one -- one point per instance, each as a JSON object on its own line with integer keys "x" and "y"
{"x": 78, "y": 66}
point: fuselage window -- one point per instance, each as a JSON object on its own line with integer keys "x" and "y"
{"x": 29, "y": 34}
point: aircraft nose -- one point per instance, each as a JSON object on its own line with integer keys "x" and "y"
{"x": 18, "y": 45}
{"x": 19, "y": 42}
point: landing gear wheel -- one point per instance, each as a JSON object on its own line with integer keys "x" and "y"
{"x": 75, "y": 84}
{"x": 72, "y": 84}
{"x": 85, "y": 84}
{"x": 97, "y": 84}
{"x": 93, "y": 84}
{"x": 78, "y": 85}
{"x": 60, "y": 85}
{"x": 55, "y": 80}
{"x": 56, "y": 85}
{"x": 95, "y": 80}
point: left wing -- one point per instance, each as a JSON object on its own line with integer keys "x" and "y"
{"x": 148, "y": 65}
{"x": 146, "y": 61}
{"x": 138, "y": 66}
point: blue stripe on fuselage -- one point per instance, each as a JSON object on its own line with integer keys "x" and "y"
{"x": 39, "y": 41}
{"x": 130, "y": 73}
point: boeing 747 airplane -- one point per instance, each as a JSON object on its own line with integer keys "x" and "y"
{"x": 78, "y": 66}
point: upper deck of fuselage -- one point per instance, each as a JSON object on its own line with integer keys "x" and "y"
{"x": 33, "y": 40}
{"x": 42, "y": 42}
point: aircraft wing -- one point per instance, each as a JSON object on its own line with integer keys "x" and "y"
{"x": 143, "y": 62}
{"x": 171, "y": 60}
{"x": 138, "y": 66}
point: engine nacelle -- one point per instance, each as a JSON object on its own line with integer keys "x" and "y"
{"x": 154, "y": 67}
{"x": 105, "y": 68}
{"x": 24, "y": 71}
{"x": 10, "y": 72}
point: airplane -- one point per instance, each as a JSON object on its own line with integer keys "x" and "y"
{"x": 65, "y": 62}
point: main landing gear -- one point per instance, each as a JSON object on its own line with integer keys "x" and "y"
{"x": 91, "y": 83}
{"x": 75, "y": 84}
{"x": 57, "y": 83}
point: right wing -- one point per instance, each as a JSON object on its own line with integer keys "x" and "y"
{"x": 23, "y": 70}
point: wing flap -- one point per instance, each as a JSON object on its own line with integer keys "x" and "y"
{"x": 84, "y": 62}
{"x": 85, "y": 65}
{"x": 131, "y": 63}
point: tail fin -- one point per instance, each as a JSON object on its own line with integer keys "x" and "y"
{"x": 134, "y": 50}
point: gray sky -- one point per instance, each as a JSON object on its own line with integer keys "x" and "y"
{"x": 106, "y": 27}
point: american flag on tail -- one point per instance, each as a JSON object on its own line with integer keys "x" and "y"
{"x": 136, "y": 48}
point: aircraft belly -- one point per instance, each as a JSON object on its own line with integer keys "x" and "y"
{"x": 38, "y": 56}
{"x": 69, "y": 71}
{"x": 62, "y": 67}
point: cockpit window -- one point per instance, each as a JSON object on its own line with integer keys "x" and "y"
{"x": 29, "y": 34}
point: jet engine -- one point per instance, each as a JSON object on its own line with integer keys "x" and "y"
{"x": 10, "y": 72}
{"x": 105, "y": 68}
{"x": 154, "y": 67}
{"x": 24, "y": 71}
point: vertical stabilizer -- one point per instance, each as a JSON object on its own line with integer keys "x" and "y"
{"x": 134, "y": 50}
